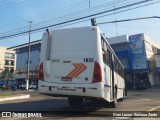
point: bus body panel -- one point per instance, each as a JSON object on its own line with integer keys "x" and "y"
{"x": 91, "y": 90}
{"x": 68, "y": 51}
{"x": 69, "y": 70}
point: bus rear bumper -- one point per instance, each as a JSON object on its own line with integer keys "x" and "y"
{"x": 65, "y": 90}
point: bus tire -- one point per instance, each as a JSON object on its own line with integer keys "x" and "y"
{"x": 107, "y": 104}
{"x": 75, "y": 101}
{"x": 113, "y": 104}
{"x": 120, "y": 100}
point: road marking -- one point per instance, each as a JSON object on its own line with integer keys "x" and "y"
{"x": 153, "y": 109}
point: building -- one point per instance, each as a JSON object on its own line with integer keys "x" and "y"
{"x": 22, "y": 58}
{"x": 121, "y": 47}
{"x": 138, "y": 56}
{"x": 7, "y": 59}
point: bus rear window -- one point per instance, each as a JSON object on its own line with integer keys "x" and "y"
{"x": 72, "y": 41}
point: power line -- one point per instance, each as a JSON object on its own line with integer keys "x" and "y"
{"x": 134, "y": 27}
{"x": 80, "y": 12}
{"x": 4, "y": 3}
{"x": 69, "y": 21}
{"x": 46, "y": 13}
{"x": 64, "y": 17}
{"x": 129, "y": 9}
{"x": 59, "y": 12}
{"x": 73, "y": 20}
{"x": 10, "y": 4}
{"x": 129, "y": 20}
{"x": 54, "y": 21}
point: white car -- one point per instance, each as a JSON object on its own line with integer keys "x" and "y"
{"x": 23, "y": 86}
{"x": 33, "y": 86}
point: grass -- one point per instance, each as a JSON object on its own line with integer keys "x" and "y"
{"x": 7, "y": 94}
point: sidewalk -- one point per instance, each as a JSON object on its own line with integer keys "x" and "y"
{"x": 152, "y": 89}
{"x": 9, "y": 95}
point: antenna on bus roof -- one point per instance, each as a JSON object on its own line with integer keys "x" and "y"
{"x": 93, "y": 22}
{"x": 47, "y": 30}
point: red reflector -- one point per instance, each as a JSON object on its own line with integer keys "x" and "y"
{"x": 41, "y": 75}
{"x": 97, "y": 73}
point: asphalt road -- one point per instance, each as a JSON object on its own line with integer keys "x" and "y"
{"x": 137, "y": 100}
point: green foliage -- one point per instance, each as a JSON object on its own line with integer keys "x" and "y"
{"x": 7, "y": 94}
{"x": 6, "y": 74}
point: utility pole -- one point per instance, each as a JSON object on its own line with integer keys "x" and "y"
{"x": 27, "y": 81}
{"x": 115, "y": 16}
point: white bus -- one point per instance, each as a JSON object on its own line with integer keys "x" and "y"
{"x": 78, "y": 63}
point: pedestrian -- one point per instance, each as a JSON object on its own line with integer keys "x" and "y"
{"x": 4, "y": 87}
{"x": 14, "y": 88}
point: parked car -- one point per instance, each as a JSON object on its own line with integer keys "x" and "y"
{"x": 21, "y": 83}
{"x": 22, "y": 86}
{"x": 33, "y": 86}
{"x": 143, "y": 84}
{"x": 148, "y": 83}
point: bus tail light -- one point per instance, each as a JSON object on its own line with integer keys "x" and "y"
{"x": 41, "y": 75}
{"x": 97, "y": 73}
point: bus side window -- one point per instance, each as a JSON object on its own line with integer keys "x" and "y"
{"x": 119, "y": 69}
{"x": 122, "y": 72}
{"x": 102, "y": 43}
{"x": 103, "y": 53}
{"x": 108, "y": 56}
{"x": 104, "y": 50}
{"x": 104, "y": 57}
{"x": 115, "y": 65}
{"x": 104, "y": 46}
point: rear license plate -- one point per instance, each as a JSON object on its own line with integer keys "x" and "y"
{"x": 66, "y": 79}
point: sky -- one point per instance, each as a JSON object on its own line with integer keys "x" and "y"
{"x": 15, "y": 15}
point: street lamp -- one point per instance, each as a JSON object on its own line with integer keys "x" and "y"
{"x": 27, "y": 81}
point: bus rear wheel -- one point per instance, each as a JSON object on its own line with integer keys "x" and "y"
{"x": 75, "y": 101}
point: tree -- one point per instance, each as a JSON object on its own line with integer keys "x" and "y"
{"x": 6, "y": 75}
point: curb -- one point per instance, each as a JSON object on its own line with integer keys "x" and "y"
{"x": 15, "y": 97}
{"x": 154, "y": 109}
